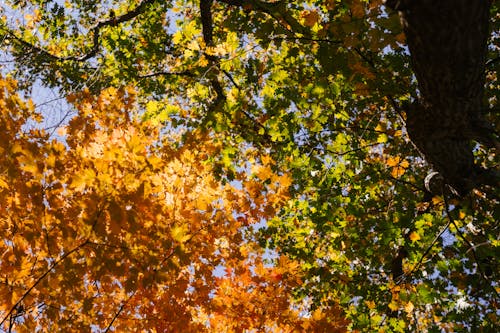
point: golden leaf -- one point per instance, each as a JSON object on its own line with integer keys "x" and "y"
{"x": 414, "y": 236}
{"x": 394, "y": 306}
{"x": 409, "y": 307}
{"x": 3, "y": 183}
{"x": 370, "y": 304}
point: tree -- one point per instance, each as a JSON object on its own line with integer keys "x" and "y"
{"x": 327, "y": 91}
{"x": 449, "y": 58}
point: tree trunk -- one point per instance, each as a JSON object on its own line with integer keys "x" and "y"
{"x": 447, "y": 40}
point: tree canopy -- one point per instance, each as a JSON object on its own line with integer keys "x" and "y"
{"x": 228, "y": 165}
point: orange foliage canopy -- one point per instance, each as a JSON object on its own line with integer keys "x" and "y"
{"x": 111, "y": 226}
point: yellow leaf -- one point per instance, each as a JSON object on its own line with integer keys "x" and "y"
{"x": 3, "y": 183}
{"x": 263, "y": 173}
{"x": 437, "y": 201}
{"x": 25, "y": 158}
{"x": 317, "y": 315}
{"x": 393, "y": 161}
{"x": 409, "y": 307}
{"x": 31, "y": 20}
{"x": 83, "y": 179}
{"x": 393, "y": 305}
{"x": 414, "y": 236}
{"x": 179, "y": 233}
{"x": 285, "y": 180}
{"x": 370, "y": 304}
{"x": 152, "y": 107}
{"x": 382, "y": 138}
{"x": 267, "y": 160}
{"x": 397, "y": 172}
{"x": 399, "y": 166}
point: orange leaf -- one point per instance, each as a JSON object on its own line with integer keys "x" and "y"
{"x": 414, "y": 236}
{"x": 310, "y": 17}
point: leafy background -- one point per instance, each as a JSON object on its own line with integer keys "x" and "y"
{"x": 262, "y": 138}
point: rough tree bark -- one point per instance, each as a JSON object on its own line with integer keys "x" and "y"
{"x": 447, "y": 40}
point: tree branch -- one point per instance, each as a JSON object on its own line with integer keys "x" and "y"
{"x": 471, "y": 247}
{"x": 419, "y": 263}
{"x": 95, "y": 30}
{"x": 118, "y": 312}
{"x": 57, "y": 262}
{"x": 163, "y": 73}
{"x": 207, "y": 31}
{"x": 277, "y": 10}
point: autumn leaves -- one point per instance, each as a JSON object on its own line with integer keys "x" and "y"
{"x": 111, "y": 224}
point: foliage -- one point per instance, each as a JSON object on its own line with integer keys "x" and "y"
{"x": 308, "y": 92}
{"x": 111, "y": 225}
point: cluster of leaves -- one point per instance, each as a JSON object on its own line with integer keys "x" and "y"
{"x": 112, "y": 226}
{"x": 309, "y": 92}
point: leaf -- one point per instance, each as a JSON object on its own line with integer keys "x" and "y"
{"x": 393, "y": 305}
{"x": 398, "y": 165}
{"x": 382, "y": 138}
{"x": 414, "y": 236}
{"x": 180, "y": 234}
{"x": 310, "y": 17}
{"x": 357, "y": 9}
{"x": 198, "y": 138}
{"x": 409, "y": 307}
{"x": 3, "y": 183}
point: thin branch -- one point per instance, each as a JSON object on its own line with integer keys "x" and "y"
{"x": 27, "y": 292}
{"x": 419, "y": 263}
{"x": 277, "y": 10}
{"x": 401, "y": 181}
{"x": 492, "y": 61}
{"x": 373, "y": 65}
{"x": 231, "y": 79}
{"x": 352, "y": 150}
{"x": 118, "y": 312}
{"x": 469, "y": 244}
{"x": 95, "y": 30}
{"x": 163, "y": 73}
{"x": 397, "y": 107}
{"x": 309, "y": 39}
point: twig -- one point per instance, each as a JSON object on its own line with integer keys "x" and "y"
{"x": 419, "y": 263}
{"x": 163, "y": 73}
{"x": 352, "y": 150}
{"x": 26, "y": 293}
{"x": 118, "y": 312}
{"x": 94, "y": 30}
{"x": 231, "y": 79}
{"x": 469, "y": 244}
{"x": 277, "y": 10}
